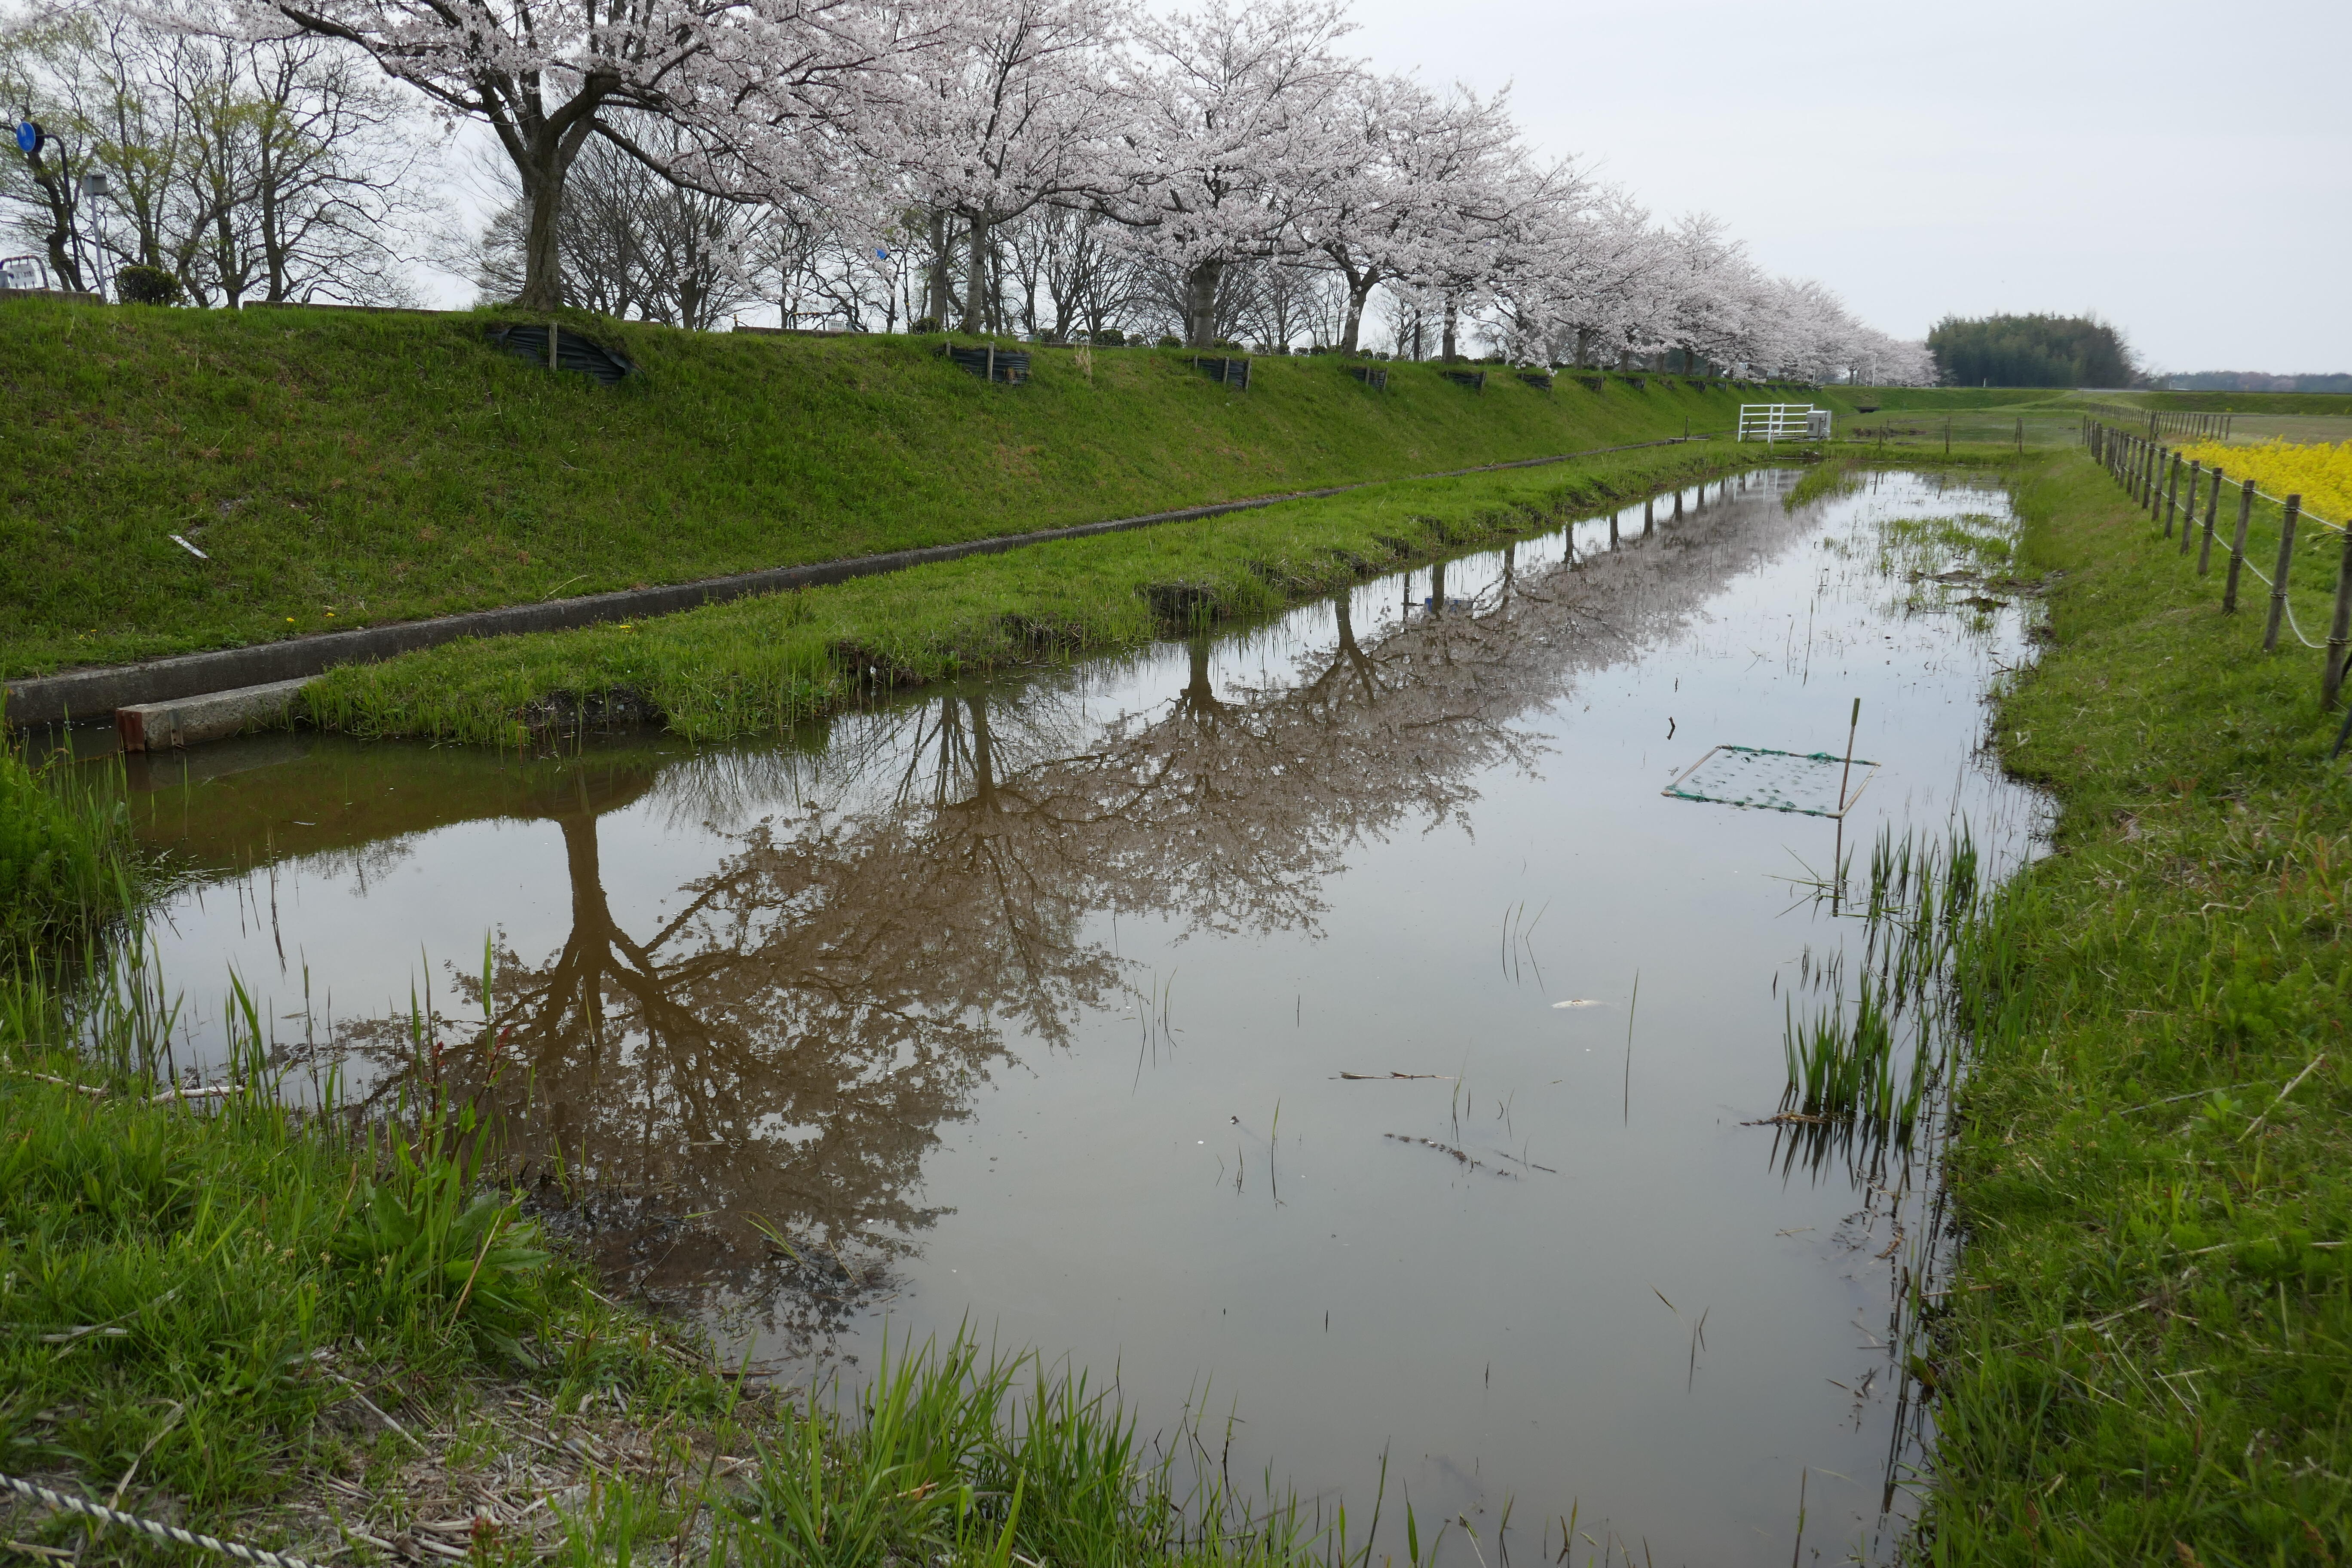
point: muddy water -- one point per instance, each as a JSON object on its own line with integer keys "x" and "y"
{"x": 1064, "y": 1006}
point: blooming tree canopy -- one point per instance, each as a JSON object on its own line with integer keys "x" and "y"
{"x": 746, "y": 79}
{"x": 1233, "y": 135}
{"x": 1008, "y": 108}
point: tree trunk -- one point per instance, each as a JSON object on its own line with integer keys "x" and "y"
{"x": 935, "y": 279}
{"x": 1583, "y": 347}
{"x": 56, "y": 192}
{"x": 1201, "y": 303}
{"x": 1359, "y": 292}
{"x": 542, "y": 262}
{"x": 984, "y": 756}
{"x": 975, "y": 279}
{"x": 273, "y": 243}
{"x": 1447, "y": 347}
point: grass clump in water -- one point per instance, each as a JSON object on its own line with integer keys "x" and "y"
{"x": 65, "y": 866}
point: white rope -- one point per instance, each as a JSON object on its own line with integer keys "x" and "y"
{"x": 2287, "y": 604}
{"x": 155, "y": 1528}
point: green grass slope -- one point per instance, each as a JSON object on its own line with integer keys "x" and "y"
{"x": 2273, "y": 403}
{"x": 1950, "y": 399}
{"x": 754, "y": 666}
{"x": 343, "y": 468}
{"x": 2149, "y": 1355}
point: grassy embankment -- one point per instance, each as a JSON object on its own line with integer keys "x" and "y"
{"x": 756, "y": 664}
{"x": 2149, "y": 1355}
{"x": 271, "y": 1325}
{"x": 344, "y": 469}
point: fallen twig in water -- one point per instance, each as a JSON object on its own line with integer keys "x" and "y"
{"x": 1464, "y": 1160}
{"x": 1383, "y": 1076}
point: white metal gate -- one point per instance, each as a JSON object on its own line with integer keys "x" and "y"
{"x": 1784, "y": 422}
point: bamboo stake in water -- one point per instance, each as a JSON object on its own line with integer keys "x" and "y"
{"x": 2238, "y": 547}
{"x": 1630, "y": 1006}
{"x": 1853, "y": 724}
{"x": 2286, "y": 565}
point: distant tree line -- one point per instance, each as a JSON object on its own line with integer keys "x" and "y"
{"x": 2255, "y": 381}
{"x": 2030, "y": 350}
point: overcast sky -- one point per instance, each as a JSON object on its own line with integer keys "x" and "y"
{"x": 2184, "y": 171}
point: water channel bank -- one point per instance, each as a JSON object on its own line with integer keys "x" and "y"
{"x": 1327, "y": 1023}
{"x": 2147, "y": 1359}
{"x": 756, "y": 666}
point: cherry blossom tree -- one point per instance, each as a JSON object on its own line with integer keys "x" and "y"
{"x": 1011, "y": 109}
{"x": 1582, "y": 288}
{"x": 1233, "y": 134}
{"x": 751, "y": 82}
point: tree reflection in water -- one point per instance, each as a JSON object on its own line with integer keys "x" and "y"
{"x": 773, "y": 1060}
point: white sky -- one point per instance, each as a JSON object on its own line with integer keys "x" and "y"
{"x": 2183, "y": 170}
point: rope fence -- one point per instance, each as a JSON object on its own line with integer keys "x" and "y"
{"x": 2166, "y": 486}
{"x": 155, "y": 1528}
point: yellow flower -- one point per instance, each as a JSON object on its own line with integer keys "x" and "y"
{"x": 2319, "y": 471}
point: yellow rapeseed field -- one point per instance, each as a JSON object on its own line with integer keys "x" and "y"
{"x": 2321, "y": 472}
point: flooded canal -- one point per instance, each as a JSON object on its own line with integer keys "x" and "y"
{"x": 1328, "y": 1025}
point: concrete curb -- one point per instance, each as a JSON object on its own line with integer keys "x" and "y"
{"x": 215, "y": 716}
{"x": 91, "y": 693}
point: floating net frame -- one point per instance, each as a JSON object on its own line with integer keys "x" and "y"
{"x": 1766, "y": 780}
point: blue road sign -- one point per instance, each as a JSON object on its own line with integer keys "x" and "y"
{"x": 29, "y": 137}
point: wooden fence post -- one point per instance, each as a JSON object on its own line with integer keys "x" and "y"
{"x": 2339, "y": 630}
{"x": 2171, "y": 494}
{"x": 2188, "y": 518}
{"x": 2238, "y": 547}
{"x": 2212, "y": 505}
{"x": 2286, "y": 565}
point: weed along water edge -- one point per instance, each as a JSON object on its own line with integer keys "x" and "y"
{"x": 1252, "y": 1017}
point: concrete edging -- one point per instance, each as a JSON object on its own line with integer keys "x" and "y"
{"x": 87, "y": 694}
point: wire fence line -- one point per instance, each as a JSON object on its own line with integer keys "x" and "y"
{"x": 2166, "y": 422}
{"x": 2151, "y": 473}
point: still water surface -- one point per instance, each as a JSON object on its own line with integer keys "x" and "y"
{"x": 1033, "y": 1005}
